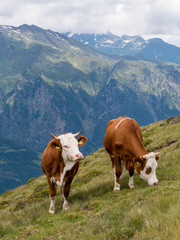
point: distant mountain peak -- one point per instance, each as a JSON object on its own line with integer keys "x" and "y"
{"x": 130, "y": 46}
{"x": 155, "y": 40}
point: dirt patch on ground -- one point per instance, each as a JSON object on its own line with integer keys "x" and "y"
{"x": 176, "y": 120}
{"x": 166, "y": 145}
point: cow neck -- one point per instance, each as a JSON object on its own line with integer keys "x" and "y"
{"x": 121, "y": 122}
{"x": 137, "y": 148}
{"x": 68, "y": 165}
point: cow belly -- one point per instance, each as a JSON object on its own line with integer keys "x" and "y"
{"x": 59, "y": 184}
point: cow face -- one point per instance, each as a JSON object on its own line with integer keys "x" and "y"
{"x": 70, "y": 146}
{"x": 146, "y": 167}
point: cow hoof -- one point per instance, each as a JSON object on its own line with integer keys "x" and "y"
{"x": 131, "y": 186}
{"x": 116, "y": 189}
{"x": 51, "y": 211}
{"x": 65, "y": 207}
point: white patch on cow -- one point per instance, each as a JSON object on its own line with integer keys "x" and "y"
{"x": 116, "y": 185}
{"x": 121, "y": 122}
{"x": 123, "y": 169}
{"x": 69, "y": 166}
{"x": 52, "y": 180}
{"x": 65, "y": 205}
{"x": 52, "y": 205}
{"x": 60, "y": 184}
{"x": 131, "y": 182}
{"x": 150, "y": 163}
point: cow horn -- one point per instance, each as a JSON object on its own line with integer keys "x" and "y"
{"x": 54, "y": 137}
{"x": 158, "y": 153}
{"x": 77, "y": 134}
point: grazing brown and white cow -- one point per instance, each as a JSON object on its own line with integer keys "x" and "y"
{"x": 124, "y": 143}
{"x": 60, "y": 163}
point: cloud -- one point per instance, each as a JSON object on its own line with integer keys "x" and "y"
{"x": 140, "y": 17}
{"x": 164, "y": 17}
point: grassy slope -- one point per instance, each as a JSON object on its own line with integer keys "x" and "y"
{"x": 96, "y": 211}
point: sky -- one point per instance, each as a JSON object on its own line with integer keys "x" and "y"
{"x": 147, "y": 18}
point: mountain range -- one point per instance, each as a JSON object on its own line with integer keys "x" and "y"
{"x": 110, "y": 44}
{"x": 52, "y": 83}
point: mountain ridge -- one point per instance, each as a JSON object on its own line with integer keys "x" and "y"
{"x": 110, "y": 44}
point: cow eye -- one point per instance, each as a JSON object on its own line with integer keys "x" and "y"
{"x": 65, "y": 146}
{"x": 148, "y": 170}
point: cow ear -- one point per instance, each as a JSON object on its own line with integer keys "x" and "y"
{"x": 82, "y": 140}
{"x": 56, "y": 144}
{"x": 157, "y": 155}
{"x": 139, "y": 161}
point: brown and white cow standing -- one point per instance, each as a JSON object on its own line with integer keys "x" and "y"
{"x": 60, "y": 163}
{"x": 124, "y": 143}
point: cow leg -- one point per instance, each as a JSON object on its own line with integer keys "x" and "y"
{"x": 65, "y": 192}
{"x": 52, "y": 191}
{"x": 131, "y": 180}
{"x": 116, "y": 163}
{"x": 123, "y": 169}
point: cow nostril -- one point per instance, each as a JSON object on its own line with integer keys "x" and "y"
{"x": 79, "y": 155}
{"x": 156, "y": 183}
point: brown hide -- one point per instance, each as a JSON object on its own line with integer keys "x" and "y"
{"x": 125, "y": 141}
{"x": 52, "y": 161}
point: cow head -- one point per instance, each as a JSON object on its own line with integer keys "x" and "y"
{"x": 70, "y": 146}
{"x": 146, "y": 166}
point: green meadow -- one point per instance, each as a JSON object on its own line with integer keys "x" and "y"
{"x": 96, "y": 212}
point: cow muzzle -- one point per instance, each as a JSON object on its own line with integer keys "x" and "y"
{"x": 79, "y": 156}
{"x": 152, "y": 183}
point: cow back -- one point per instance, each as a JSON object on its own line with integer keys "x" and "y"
{"x": 123, "y": 137}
